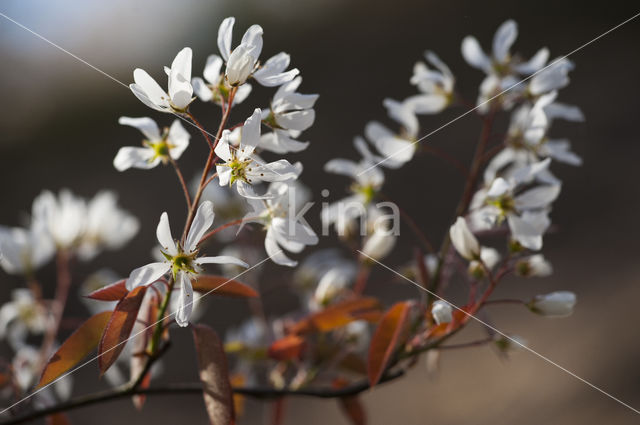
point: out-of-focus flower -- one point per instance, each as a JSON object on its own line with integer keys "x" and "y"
{"x": 526, "y": 212}
{"x": 533, "y": 266}
{"x": 157, "y": 147}
{"x": 180, "y": 93}
{"x": 441, "y": 312}
{"x": 367, "y": 181}
{"x": 183, "y": 262}
{"x": 555, "y": 304}
{"x": 290, "y": 114}
{"x": 21, "y": 316}
{"x": 64, "y": 216}
{"x": 333, "y": 283}
{"x": 436, "y": 86}
{"x": 22, "y": 251}
{"x": 397, "y": 149}
{"x": 378, "y": 244}
{"x": 554, "y": 77}
{"x": 280, "y": 215}
{"x": 463, "y": 240}
{"x": 242, "y": 62}
{"x": 107, "y": 226}
{"x": 241, "y": 165}
{"x": 26, "y": 372}
{"x": 216, "y": 89}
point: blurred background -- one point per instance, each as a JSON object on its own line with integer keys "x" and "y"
{"x": 59, "y": 129}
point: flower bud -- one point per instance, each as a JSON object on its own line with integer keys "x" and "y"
{"x": 555, "y": 304}
{"x": 533, "y": 266}
{"x": 240, "y": 65}
{"x": 489, "y": 257}
{"x": 463, "y": 240}
{"x": 441, "y": 312}
{"x": 379, "y": 244}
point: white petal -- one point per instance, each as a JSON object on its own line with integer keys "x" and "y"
{"x": 221, "y": 259}
{"x": 534, "y": 64}
{"x": 225, "y": 32}
{"x": 498, "y": 188}
{"x": 179, "y": 138}
{"x": 525, "y": 233}
{"x": 163, "y": 233}
{"x": 276, "y": 171}
{"x": 473, "y": 54}
{"x": 278, "y": 141}
{"x": 128, "y": 157}
{"x": 344, "y": 167}
{"x": 213, "y": 69}
{"x": 538, "y": 197}
{"x": 250, "y": 134}
{"x": 148, "y": 90}
{"x": 222, "y": 148}
{"x": 147, "y": 274}
{"x": 403, "y": 114}
{"x": 296, "y": 120}
{"x": 146, "y": 125}
{"x": 185, "y": 300}
{"x": 274, "y": 252}
{"x": 463, "y": 240}
{"x": 427, "y": 103}
{"x": 201, "y": 223}
{"x": 224, "y": 175}
{"x": 201, "y": 89}
{"x": 253, "y": 39}
{"x": 503, "y": 40}
{"x": 396, "y": 150}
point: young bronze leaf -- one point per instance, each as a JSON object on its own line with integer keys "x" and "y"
{"x": 114, "y": 292}
{"x": 385, "y": 341}
{"x": 58, "y": 419}
{"x": 214, "y": 375}
{"x": 119, "y": 328}
{"x": 220, "y": 285}
{"x": 352, "y": 408}
{"x": 287, "y": 348}
{"x": 338, "y": 315}
{"x": 83, "y": 341}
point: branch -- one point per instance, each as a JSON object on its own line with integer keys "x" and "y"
{"x": 195, "y": 388}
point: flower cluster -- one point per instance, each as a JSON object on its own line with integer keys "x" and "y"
{"x": 338, "y": 334}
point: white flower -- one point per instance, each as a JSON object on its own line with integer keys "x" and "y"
{"x": 183, "y": 262}
{"x": 436, "y": 86}
{"x": 107, "y": 226}
{"x": 314, "y": 266}
{"x": 216, "y": 89}
{"x": 25, "y": 250}
{"x": 289, "y": 115}
{"x": 463, "y": 240}
{"x": 526, "y": 212}
{"x": 281, "y": 216}
{"x": 64, "y": 216}
{"x": 555, "y": 304}
{"x": 20, "y": 316}
{"x": 180, "y": 93}
{"x": 397, "y": 149}
{"x": 503, "y": 70}
{"x": 533, "y": 266}
{"x": 367, "y": 181}
{"x": 26, "y": 367}
{"x": 441, "y": 312}
{"x": 158, "y": 147}
{"x": 242, "y": 62}
{"x": 241, "y": 165}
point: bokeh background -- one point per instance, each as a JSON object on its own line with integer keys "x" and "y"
{"x": 59, "y": 129}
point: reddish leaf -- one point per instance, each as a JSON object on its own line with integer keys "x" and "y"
{"x": 119, "y": 328}
{"x": 338, "y": 315}
{"x": 386, "y": 339}
{"x": 83, "y": 341}
{"x": 114, "y": 292}
{"x": 220, "y": 285}
{"x": 287, "y": 348}
{"x": 58, "y": 419}
{"x": 214, "y": 375}
{"x": 352, "y": 408}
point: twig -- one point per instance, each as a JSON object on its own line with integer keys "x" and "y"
{"x": 182, "y": 182}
